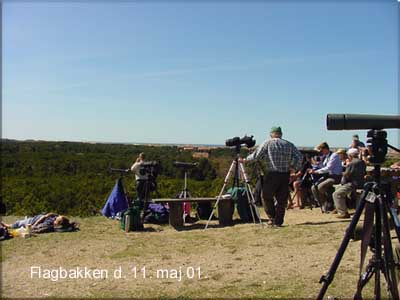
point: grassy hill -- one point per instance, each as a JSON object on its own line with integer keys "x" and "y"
{"x": 242, "y": 261}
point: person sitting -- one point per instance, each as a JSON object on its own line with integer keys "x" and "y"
{"x": 352, "y": 179}
{"x": 54, "y": 221}
{"x": 343, "y": 157}
{"x": 356, "y": 143}
{"x": 329, "y": 174}
{"x": 301, "y": 183}
{"x": 395, "y": 166}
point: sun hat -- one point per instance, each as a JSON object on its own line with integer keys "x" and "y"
{"x": 341, "y": 151}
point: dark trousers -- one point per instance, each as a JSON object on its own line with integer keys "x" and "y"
{"x": 323, "y": 191}
{"x": 141, "y": 191}
{"x": 276, "y": 185}
{"x": 258, "y": 190}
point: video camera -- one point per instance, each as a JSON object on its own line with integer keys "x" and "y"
{"x": 149, "y": 168}
{"x": 236, "y": 141}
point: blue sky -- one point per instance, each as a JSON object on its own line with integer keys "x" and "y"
{"x": 196, "y": 72}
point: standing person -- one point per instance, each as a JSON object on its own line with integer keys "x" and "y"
{"x": 352, "y": 179}
{"x": 330, "y": 173}
{"x": 141, "y": 178}
{"x": 280, "y": 156}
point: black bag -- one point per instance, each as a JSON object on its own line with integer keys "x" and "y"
{"x": 204, "y": 210}
{"x": 4, "y": 234}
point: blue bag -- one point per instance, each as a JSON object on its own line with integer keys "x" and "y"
{"x": 116, "y": 202}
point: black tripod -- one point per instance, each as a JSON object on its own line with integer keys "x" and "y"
{"x": 377, "y": 201}
{"x": 308, "y": 196}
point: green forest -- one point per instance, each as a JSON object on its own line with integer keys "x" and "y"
{"x": 74, "y": 178}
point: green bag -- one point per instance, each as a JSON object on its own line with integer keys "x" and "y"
{"x": 135, "y": 222}
{"x": 245, "y": 211}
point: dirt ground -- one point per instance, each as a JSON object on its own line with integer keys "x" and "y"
{"x": 240, "y": 261}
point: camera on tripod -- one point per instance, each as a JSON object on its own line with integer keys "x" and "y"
{"x": 151, "y": 169}
{"x": 237, "y": 142}
{"x": 378, "y": 202}
{"x": 239, "y": 174}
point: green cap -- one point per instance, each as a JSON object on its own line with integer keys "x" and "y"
{"x": 276, "y": 129}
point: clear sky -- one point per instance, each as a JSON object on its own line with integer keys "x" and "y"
{"x": 176, "y": 72}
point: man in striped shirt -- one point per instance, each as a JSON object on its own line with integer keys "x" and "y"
{"x": 280, "y": 156}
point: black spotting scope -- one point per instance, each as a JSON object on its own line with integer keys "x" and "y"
{"x": 359, "y": 121}
{"x": 237, "y": 141}
{"x": 184, "y": 165}
{"x": 119, "y": 170}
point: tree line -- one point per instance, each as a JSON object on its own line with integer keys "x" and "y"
{"x": 74, "y": 178}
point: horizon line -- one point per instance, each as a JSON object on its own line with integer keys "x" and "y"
{"x": 142, "y": 143}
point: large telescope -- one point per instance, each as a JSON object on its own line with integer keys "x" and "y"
{"x": 357, "y": 121}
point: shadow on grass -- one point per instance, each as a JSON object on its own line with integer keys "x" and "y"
{"x": 146, "y": 229}
{"x": 202, "y": 226}
{"x": 324, "y": 222}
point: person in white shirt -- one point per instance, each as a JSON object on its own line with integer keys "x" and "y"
{"x": 141, "y": 178}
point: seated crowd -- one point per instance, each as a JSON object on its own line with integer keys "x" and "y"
{"x": 331, "y": 179}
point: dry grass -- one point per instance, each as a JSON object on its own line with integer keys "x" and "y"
{"x": 244, "y": 260}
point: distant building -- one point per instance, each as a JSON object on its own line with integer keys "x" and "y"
{"x": 198, "y": 151}
{"x": 188, "y": 149}
{"x": 201, "y": 155}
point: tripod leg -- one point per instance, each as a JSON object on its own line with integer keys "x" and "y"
{"x": 396, "y": 221}
{"x": 254, "y": 206}
{"x": 250, "y": 204}
{"x": 250, "y": 196}
{"x": 233, "y": 165}
{"x": 242, "y": 174}
{"x": 253, "y": 202}
{"x": 370, "y": 271}
{"x": 388, "y": 252}
{"x": 378, "y": 250}
{"x": 328, "y": 278}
